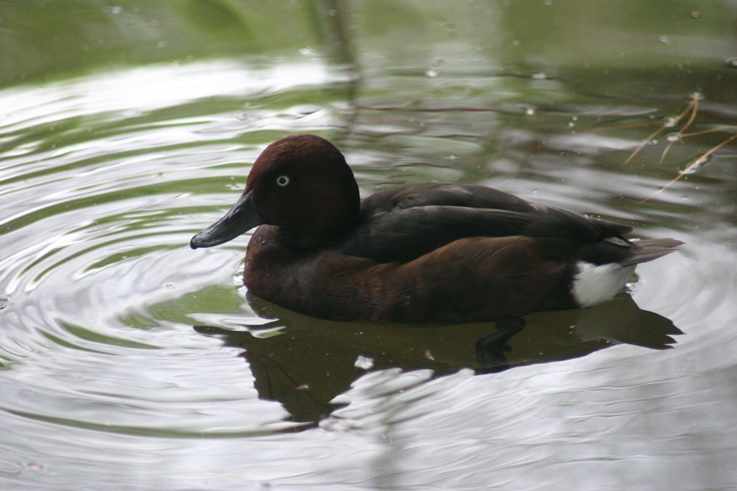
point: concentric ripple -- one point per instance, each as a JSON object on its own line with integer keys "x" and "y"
{"x": 97, "y": 176}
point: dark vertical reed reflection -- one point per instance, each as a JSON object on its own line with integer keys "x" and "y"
{"x": 331, "y": 19}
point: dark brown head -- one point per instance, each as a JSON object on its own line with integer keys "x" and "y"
{"x": 301, "y": 184}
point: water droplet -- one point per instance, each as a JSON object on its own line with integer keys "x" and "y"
{"x": 673, "y": 136}
{"x": 539, "y": 76}
{"x": 431, "y": 73}
{"x": 695, "y": 14}
{"x": 664, "y": 40}
{"x": 438, "y": 62}
{"x": 364, "y": 362}
{"x": 698, "y": 96}
{"x": 529, "y": 111}
{"x": 670, "y": 122}
{"x": 694, "y": 166}
{"x": 732, "y": 62}
{"x": 335, "y": 424}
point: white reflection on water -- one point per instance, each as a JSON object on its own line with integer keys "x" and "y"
{"x": 149, "y": 89}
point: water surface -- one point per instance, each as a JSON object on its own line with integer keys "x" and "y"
{"x": 129, "y": 361}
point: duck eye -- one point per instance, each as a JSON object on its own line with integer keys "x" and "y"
{"x": 282, "y": 181}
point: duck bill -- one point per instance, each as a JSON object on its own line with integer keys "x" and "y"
{"x": 240, "y": 219}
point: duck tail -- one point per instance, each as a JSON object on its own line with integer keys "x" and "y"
{"x": 649, "y": 249}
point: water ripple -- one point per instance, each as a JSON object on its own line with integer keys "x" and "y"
{"x": 105, "y": 178}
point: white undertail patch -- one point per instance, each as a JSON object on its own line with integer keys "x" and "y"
{"x": 597, "y": 284}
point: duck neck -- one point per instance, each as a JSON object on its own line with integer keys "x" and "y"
{"x": 312, "y": 239}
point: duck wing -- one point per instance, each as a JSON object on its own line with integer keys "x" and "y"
{"x": 404, "y": 224}
{"x": 441, "y": 194}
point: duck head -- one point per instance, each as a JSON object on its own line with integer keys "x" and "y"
{"x": 301, "y": 184}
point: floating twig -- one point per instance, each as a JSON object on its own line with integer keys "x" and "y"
{"x": 666, "y": 123}
{"x": 695, "y": 105}
{"x": 685, "y": 171}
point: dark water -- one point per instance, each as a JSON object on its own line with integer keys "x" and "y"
{"x": 129, "y": 361}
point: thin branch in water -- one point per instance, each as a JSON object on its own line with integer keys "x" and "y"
{"x": 667, "y": 123}
{"x": 711, "y": 130}
{"x": 644, "y": 142}
{"x": 679, "y": 135}
{"x": 685, "y": 171}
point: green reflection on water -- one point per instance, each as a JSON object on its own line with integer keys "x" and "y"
{"x": 43, "y": 40}
{"x": 88, "y": 335}
{"x": 214, "y": 299}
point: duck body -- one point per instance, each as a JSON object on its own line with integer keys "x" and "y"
{"x": 427, "y": 253}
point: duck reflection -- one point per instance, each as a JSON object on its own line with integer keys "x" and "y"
{"x": 303, "y": 362}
